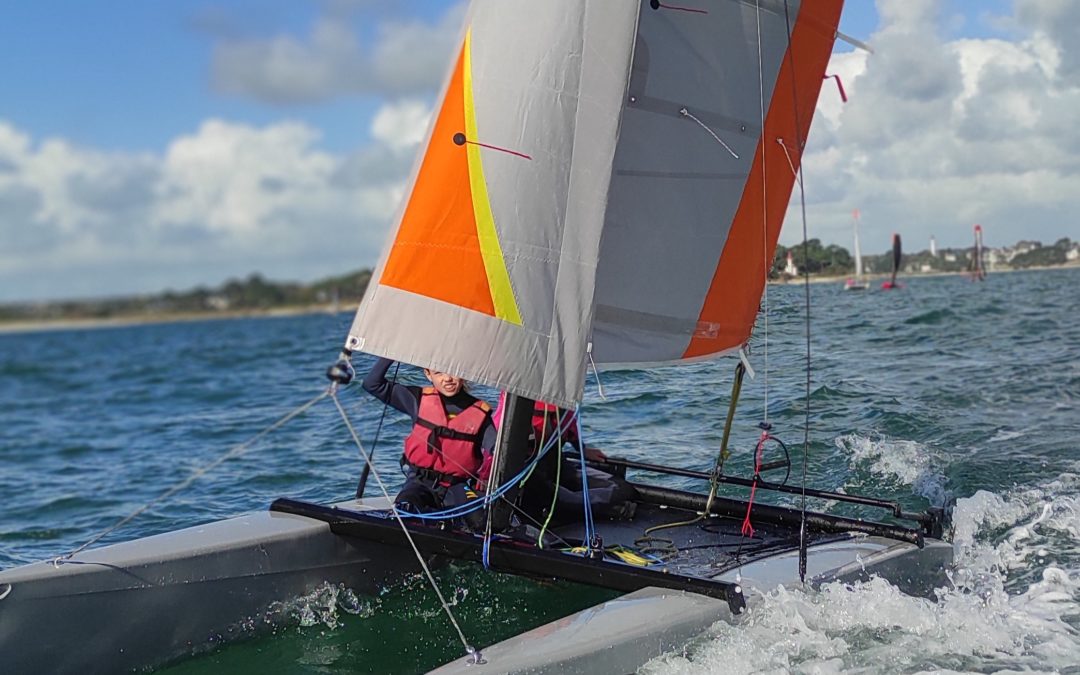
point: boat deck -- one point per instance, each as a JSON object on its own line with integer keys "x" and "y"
{"x": 703, "y": 549}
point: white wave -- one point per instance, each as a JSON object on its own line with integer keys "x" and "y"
{"x": 1015, "y": 606}
{"x": 907, "y": 462}
{"x": 1005, "y": 435}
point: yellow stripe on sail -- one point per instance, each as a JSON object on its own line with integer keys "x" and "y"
{"x": 502, "y": 294}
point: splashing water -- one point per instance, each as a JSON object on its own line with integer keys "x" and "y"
{"x": 1015, "y": 605}
{"x": 907, "y": 462}
{"x": 320, "y": 607}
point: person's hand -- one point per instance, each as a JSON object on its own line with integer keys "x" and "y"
{"x": 594, "y": 454}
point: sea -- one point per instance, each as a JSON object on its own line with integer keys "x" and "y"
{"x": 946, "y": 392}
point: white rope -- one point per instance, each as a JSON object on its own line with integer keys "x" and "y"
{"x": 236, "y": 451}
{"x": 473, "y": 653}
{"x": 787, "y": 154}
{"x": 596, "y": 374}
{"x": 686, "y": 113}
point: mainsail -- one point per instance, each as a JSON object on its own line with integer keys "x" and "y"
{"x": 603, "y": 179}
{"x": 897, "y": 254}
{"x": 978, "y": 269}
{"x": 858, "y": 251}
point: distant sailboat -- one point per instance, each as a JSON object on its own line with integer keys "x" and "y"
{"x": 978, "y": 266}
{"x": 858, "y": 282}
{"x": 897, "y": 255}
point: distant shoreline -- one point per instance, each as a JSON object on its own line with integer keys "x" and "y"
{"x": 47, "y": 325}
{"x": 839, "y": 278}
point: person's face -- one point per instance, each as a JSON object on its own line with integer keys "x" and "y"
{"x": 444, "y": 383}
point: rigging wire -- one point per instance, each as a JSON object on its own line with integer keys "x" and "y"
{"x": 375, "y": 442}
{"x": 475, "y": 655}
{"x": 806, "y": 285}
{"x": 764, "y": 204}
{"x": 235, "y": 451}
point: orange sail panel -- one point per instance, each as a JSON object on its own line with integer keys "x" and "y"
{"x": 447, "y": 247}
{"x": 735, "y": 292}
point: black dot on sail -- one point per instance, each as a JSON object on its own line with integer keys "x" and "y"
{"x": 655, "y": 4}
{"x": 459, "y": 138}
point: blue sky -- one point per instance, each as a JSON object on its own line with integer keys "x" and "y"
{"x": 131, "y": 76}
{"x": 148, "y": 145}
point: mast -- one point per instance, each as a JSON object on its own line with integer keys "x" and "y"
{"x": 510, "y": 455}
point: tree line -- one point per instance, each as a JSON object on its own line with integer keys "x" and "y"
{"x": 256, "y": 294}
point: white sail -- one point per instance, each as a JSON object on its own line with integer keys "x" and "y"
{"x": 858, "y": 251}
{"x": 598, "y": 177}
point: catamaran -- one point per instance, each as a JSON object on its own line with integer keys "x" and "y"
{"x": 978, "y": 266}
{"x": 605, "y": 182}
{"x": 857, "y": 282}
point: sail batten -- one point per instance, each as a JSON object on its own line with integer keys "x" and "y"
{"x": 593, "y": 178}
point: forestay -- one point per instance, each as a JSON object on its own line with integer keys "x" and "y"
{"x": 596, "y": 177}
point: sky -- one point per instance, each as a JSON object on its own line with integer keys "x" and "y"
{"x": 147, "y": 146}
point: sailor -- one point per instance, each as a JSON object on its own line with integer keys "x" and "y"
{"x": 609, "y": 496}
{"x": 451, "y": 436}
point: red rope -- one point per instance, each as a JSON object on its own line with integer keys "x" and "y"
{"x": 495, "y": 147}
{"x": 459, "y": 139}
{"x": 747, "y": 527}
{"x": 840, "y": 86}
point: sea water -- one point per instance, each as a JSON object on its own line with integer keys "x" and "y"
{"x": 947, "y": 391}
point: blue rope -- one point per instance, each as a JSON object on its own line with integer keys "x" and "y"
{"x": 589, "y": 531}
{"x": 477, "y": 504}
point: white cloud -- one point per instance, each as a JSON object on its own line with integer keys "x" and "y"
{"x": 231, "y": 177}
{"x": 407, "y": 58}
{"x": 939, "y": 134}
{"x": 401, "y": 125}
{"x": 225, "y": 200}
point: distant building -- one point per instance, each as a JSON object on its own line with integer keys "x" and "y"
{"x": 217, "y": 302}
{"x": 790, "y": 268}
{"x": 933, "y": 246}
{"x": 950, "y": 257}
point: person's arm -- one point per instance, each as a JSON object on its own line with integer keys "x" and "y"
{"x": 398, "y": 396}
{"x": 594, "y": 454}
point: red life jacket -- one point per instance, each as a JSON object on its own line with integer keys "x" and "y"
{"x": 548, "y": 418}
{"x": 450, "y": 446}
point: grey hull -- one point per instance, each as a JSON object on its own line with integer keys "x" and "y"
{"x": 621, "y": 635}
{"x": 143, "y": 603}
